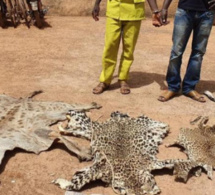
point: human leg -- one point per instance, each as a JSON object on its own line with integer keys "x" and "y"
{"x": 183, "y": 26}
{"x": 130, "y": 32}
{"x": 112, "y": 41}
{"x": 201, "y": 33}
{"x": 109, "y": 59}
{"x": 181, "y": 33}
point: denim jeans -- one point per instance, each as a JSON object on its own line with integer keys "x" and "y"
{"x": 186, "y": 22}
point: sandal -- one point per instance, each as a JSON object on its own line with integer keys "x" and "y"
{"x": 124, "y": 88}
{"x": 167, "y": 95}
{"x": 196, "y": 96}
{"x": 100, "y": 88}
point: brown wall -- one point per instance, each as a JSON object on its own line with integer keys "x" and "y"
{"x": 84, "y": 7}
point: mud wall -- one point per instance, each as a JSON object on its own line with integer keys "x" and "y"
{"x": 84, "y": 7}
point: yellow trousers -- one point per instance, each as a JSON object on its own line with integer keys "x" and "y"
{"x": 116, "y": 30}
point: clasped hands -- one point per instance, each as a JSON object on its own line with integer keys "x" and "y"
{"x": 211, "y": 4}
{"x": 160, "y": 18}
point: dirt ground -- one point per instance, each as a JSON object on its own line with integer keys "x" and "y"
{"x": 64, "y": 60}
{"x": 84, "y": 7}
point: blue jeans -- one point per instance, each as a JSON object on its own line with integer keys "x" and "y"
{"x": 186, "y": 22}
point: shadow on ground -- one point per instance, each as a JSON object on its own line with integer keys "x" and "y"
{"x": 141, "y": 79}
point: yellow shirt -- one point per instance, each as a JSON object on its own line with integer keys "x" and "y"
{"x": 126, "y": 10}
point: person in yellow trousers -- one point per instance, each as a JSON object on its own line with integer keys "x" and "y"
{"x": 123, "y": 22}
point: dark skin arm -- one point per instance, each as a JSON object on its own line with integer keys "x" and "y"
{"x": 164, "y": 11}
{"x": 153, "y": 5}
{"x": 156, "y": 16}
{"x": 96, "y": 10}
{"x": 166, "y": 4}
{"x": 212, "y": 4}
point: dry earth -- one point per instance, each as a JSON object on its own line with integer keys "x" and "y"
{"x": 84, "y": 7}
{"x": 64, "y": 60}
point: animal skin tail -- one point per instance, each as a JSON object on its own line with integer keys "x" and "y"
{"x": 209, "y": 95}
{"x": 31, "y": 95}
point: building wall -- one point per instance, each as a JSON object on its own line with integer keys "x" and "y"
{"x": 84, "y": 7}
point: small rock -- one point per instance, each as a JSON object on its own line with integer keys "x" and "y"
{"x": 62, "y": 183}
{"x": 73, "y": 193}
{"x": 13, "y": 181}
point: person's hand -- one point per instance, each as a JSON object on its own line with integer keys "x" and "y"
{"x": 156, "y": 20}
{"x": 164, "y": 16}
{"x": 95, "y": 12}
{"x": 212, "y": 4}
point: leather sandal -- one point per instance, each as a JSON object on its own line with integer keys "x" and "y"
{"x": 167, "y": 95}
{"x": 100, "y": 88}
{"x": 124, "y": 87}
{"x": 196, "y": 96}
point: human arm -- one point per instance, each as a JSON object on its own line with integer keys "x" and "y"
{"x": 164, "y": 11}
{"x": 212, "y": 4}
{"x": 156, "y": 13}
{"x": 153, "y": 5}
{"x": 96, "y": 10}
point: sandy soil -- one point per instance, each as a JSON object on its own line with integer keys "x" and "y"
{"x": 84, "y": 7}
{"x": 64, "y": 60}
